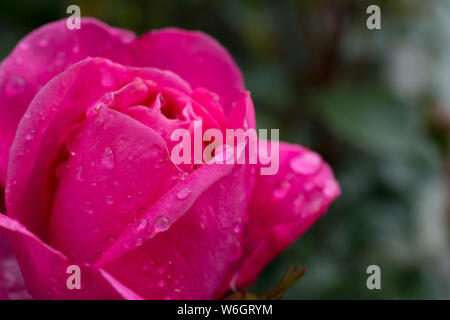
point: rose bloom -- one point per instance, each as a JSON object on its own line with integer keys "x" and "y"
{"x": 86, "y": 118}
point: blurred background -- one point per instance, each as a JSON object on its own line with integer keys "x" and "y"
{"x": 374, "y": 103}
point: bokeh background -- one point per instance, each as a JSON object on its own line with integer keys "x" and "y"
{"x": 374, "y": 103}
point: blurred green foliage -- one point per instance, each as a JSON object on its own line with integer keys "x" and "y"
{"x": 374, "y": 103}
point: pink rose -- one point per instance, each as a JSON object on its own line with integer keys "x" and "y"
{"x": 89, "y": 180}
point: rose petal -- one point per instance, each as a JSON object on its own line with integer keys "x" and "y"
{"x": 196, "y": 57}
{"x": 119, "y": 166}
{"x": 42, "y": 131}
{"x": 243, "y": 114}
{"x": 168, "y": 209}
{"x": 12, "y": 285}
{"x": 43, "y": 54}
{"x": 283, "y": 207}
{"x": 167, "y": 265}
{"x": 49, "y": 50}
{"x": 45, "y": 269}
{"x": 56, "y": 107}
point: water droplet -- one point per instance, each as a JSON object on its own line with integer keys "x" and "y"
{"x": 162, "y": 223}
{"x": 309, "y": 186}
{"x": 112, "y": 239}
{"x": 281, "y": 191}
{"x": 107, "y": 78}
{"x": 42, "y": 115}
{"x": 184, "y": 175}
{"x": 223, "y": 154}
{"x": 331, "y": 188}
{"x": 30, "y": 134}
{"x": 314, "y": 205}
{"x": 142, "y": 225}
{"x": 183, "y": 193}
{"x": 147, "y": 266}
{"x": 160, "y": 271}
{"x": 202, "y": 225}
{"x": 110, "y": 200}
{"x": 161, "y": 283}
{"x": 127, "y": 38}
{"x": 43, "y": 42}
{"x": 138, "y": 242}
{"x": 306, "y": 163}
{"x": 15, "y": 86}
{"x": 80, "y": 174}
{"x": 87, "y": 208}
{"x": 174, "y": 295}
{"x": 108, "y": 158}
{"x": 24, "y": 46}
{"x": 60, "y": 58}
{"x": 298, "y": 203}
